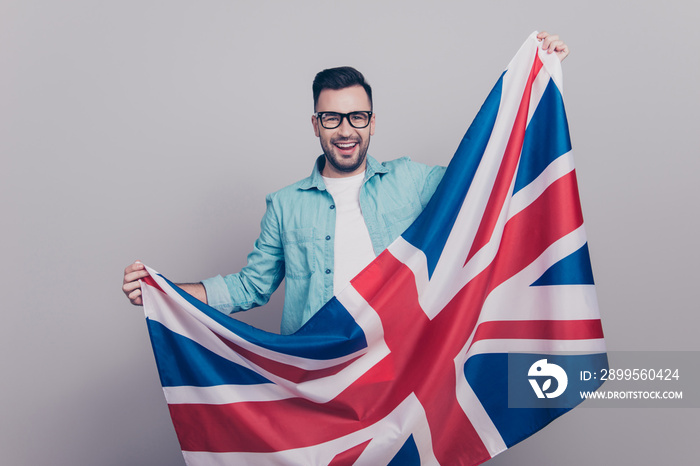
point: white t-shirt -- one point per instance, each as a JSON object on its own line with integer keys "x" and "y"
{"x": 352, "y": 244}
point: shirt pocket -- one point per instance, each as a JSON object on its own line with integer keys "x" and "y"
{"x": 298, "y": 252}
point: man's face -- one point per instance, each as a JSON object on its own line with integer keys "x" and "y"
{"x": 345, "y": 147}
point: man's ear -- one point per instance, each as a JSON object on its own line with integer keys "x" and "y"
{"x": 314, "y": 123}
{"x": 371, "y": 125}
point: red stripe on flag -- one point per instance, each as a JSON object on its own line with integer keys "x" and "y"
{"x": 423, "y": 353}
{"x": 265, "y": 426}
{"x": 286, "y": 371}
{"x": 587, "y": 329}
{"x": 506, "y": 172}
{"x": 148, "y": 280}
{"x": 349, "y": 457}
{"x": 550, "y": 217}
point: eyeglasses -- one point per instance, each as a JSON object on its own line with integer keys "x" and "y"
{"x": 331, "y": 120}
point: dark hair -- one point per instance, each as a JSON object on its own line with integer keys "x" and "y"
{"x": 339, "y": 78}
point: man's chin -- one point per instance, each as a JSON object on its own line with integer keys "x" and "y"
{"x": 345, "y": 164}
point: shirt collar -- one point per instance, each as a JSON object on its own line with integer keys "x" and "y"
{"x": 315, "y": 180}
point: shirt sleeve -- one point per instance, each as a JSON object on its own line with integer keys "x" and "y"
{"x": 256, "y": 282}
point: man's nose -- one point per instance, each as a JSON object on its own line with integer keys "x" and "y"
{"x": 345, "y": 129}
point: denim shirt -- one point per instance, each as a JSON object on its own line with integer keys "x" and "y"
{"x": 296, "y": 240}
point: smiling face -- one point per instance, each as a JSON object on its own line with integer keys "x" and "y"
{"x": 345, "y": 147}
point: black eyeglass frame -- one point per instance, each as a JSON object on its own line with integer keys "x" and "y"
{"x": 319, "y": 116}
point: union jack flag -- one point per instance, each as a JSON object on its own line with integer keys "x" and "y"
{"x": 408, "y": 364}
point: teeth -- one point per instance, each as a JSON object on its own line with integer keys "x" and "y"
{"x": 346, "y": 146}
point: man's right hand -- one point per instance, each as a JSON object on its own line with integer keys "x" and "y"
{"x": 132, "y": 286}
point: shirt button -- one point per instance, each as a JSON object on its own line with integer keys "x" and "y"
{"x": 332, "y": 207}
{"x": 328, "y": 271}
{"x": 328, "y": 238}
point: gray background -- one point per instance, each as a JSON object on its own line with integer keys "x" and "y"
{"x": 153, "y": 129}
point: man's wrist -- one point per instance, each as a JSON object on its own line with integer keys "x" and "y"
{"x": 197, "y": 290}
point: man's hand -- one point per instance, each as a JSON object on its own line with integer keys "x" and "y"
{"x": 132, "y": 286}
{"x": 552, "y": 44}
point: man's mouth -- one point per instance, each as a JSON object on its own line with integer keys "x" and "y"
{"x": 346, "y": 146}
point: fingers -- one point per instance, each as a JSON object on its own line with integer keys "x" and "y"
{"x": 552, "y": 44}
{"x": 135, "y": 297}
{"x": 134, "y": 276}
{"x": 134, "y": 272}
{"x": 128, "y": 287}
{"x": 131, "y": 286}
{"x": 137, "y": 265}
{"x": 549, "y": 41}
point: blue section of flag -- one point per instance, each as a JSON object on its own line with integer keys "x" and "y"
{"x": 546, "y": 138}
{"x": 449, "y": 196}
{"x": 330, "y": 334}
{"x": 488, "y": 376}
{"x": 182, "y": 361}
{"x": 408, "y": 454}
{"x": 574, "y": 269}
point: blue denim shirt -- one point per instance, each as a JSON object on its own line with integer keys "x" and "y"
{"x": 297, "y": 237}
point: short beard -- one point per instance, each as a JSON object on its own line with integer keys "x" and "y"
{"x": 346, "y": 168}
{"x": 361, "y": 156}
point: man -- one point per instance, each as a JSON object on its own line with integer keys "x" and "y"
{"x": 321, "y": 231}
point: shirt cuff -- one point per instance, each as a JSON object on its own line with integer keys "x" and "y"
{"x": 218, "y": 296}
